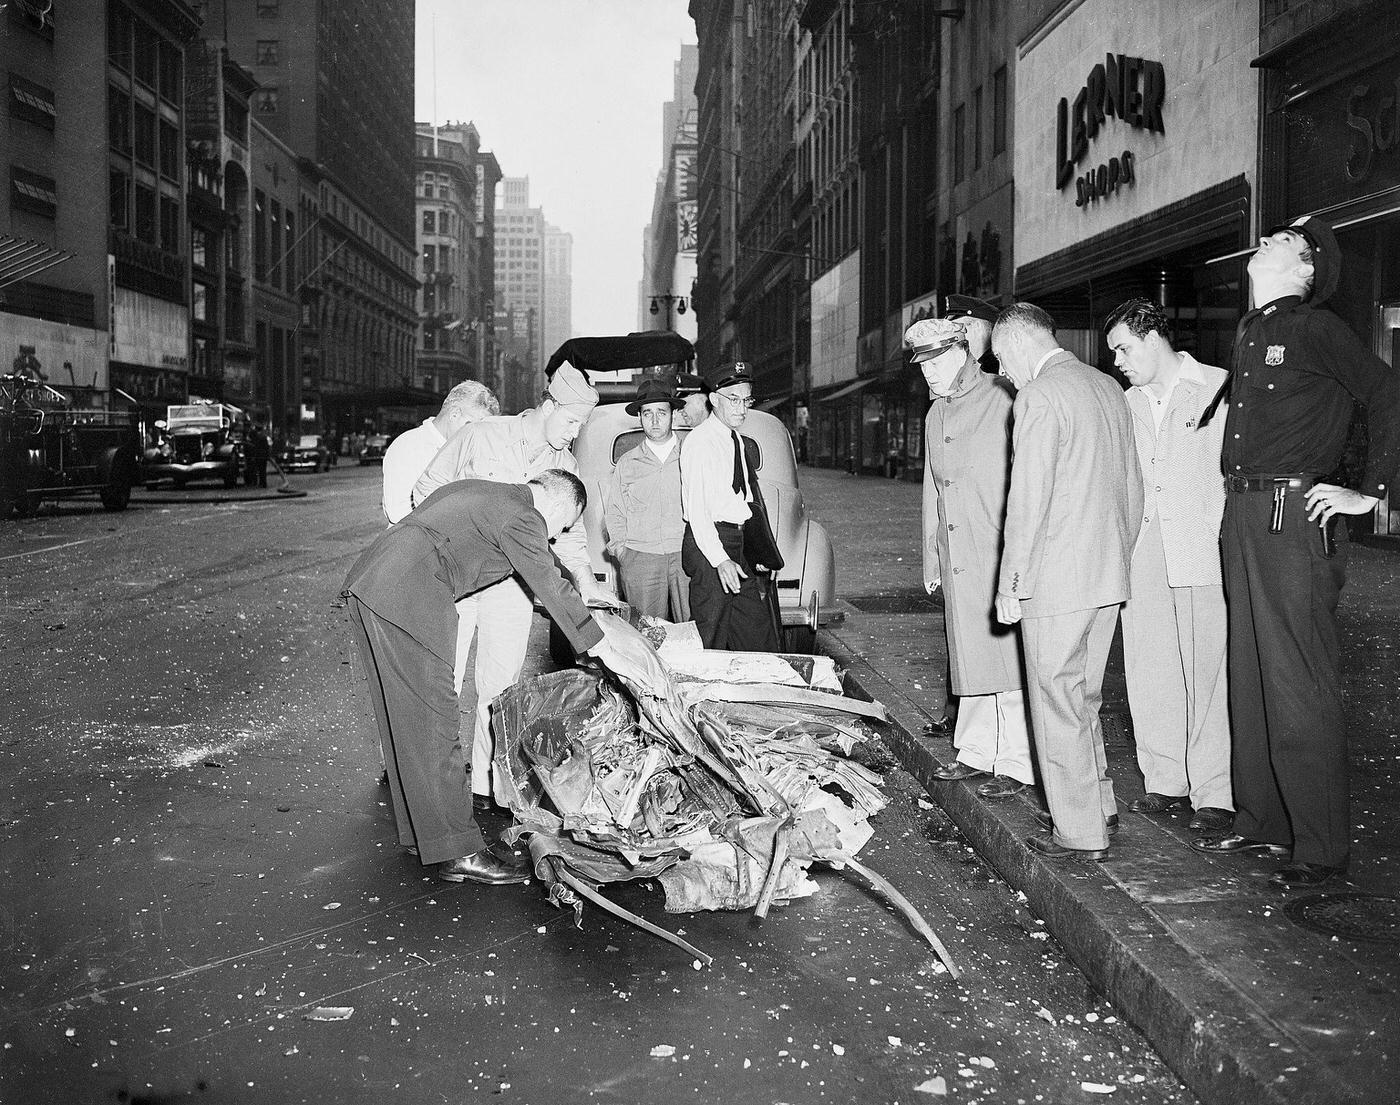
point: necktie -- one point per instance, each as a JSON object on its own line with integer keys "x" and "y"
{"x": 738, "y": 482}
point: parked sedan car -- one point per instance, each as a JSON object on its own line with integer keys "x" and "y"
{"x": 807, "y": 583}
{"x": 309, "y": 454}
{"x": 373, "y": 450}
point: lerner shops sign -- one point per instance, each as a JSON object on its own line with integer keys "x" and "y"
{"x": 1127, "y": 88}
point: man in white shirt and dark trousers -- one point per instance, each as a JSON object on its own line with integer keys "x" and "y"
{"x": 727, "y": 602}
{"x": 1174, "y": 625}
{"x": 409, "y": 453}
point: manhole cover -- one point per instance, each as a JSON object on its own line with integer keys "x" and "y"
{"x": 895, "y": 602}
{"x": 1350, "y": 916}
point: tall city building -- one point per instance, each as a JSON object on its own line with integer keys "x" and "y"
{"x": 335, "y": 88}
{"x": 669, "y": 241}
{"x": 523, "y": 310}
{"x": 456, "y": 203}
{"x": 558, "y": 288}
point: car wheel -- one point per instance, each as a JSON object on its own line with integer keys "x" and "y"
{"x": 116, "y": 495}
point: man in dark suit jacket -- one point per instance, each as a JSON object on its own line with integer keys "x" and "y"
{"x": 1072, "y": 517}
{"x": 465, "y": 536}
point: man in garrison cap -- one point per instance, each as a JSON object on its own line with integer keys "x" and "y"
{"x": 642, "y": 508}
{"x": 514, "y": 449}
{"x": 1299, "y": 372}
{"x": 727, "y": 601}
{"x": 976, "y": 317}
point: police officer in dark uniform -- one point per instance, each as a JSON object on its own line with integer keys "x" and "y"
{"x": 976, "y": 316}
{"x": 1298, "y": 370}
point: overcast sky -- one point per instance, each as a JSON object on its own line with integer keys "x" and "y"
{"x": 568, "y": 93}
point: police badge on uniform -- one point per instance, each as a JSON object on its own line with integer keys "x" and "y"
{"x": 1274, "y": 356}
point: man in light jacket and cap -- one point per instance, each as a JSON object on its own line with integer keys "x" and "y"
{"x": 967, "y": 461}
{"x": 514, "y": 449}
{"x": 642, "y": 508}
{"x": 1174, "y": 625}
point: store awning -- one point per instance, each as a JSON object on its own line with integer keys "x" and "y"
{"x": 849, "y": 389}
{"x": 21, "y": 259}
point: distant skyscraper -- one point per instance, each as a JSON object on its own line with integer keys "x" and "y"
{"x": 669, "y": 242}
{"x": 534, "y": 311}
{"x": 558, "y": 288}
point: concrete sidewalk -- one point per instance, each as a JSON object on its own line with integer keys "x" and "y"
{"x": 1251, "y": 994}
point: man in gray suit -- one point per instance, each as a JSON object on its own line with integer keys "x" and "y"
{"x": 1072, "y": 518}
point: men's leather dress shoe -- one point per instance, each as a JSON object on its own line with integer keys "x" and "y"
{"x": 1046, "y": 846}
{"x": 941, "y": 726}
{"x": 480, "y": 867}
{"x": 484, "y": 803}
{"x": 1000, "y": 786}
{"x": 1158, "y": 803}
{"x": 1047, "y": 823}
{"x": 957, "y": 770}
{"x": 1211, "y": 819}
{"x": 1233, "y": 843}
{"x": 1304, "y": 874}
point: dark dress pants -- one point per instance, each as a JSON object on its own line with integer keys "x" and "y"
{"x": 1289, "y": 763}
{"x": 416, "y": 709}
{"x": 740, "y": 622}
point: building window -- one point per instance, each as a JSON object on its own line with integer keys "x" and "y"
{"x": 119, "y": 121}
{"x": 289, "y": 263}
{"x": 145, "y": 144}
{"x": 999, "y": 111}
{"x": 274, "y": 244}
{"x": 429, "y": 259}
{"x": 265, "y": 101}
{"x": 429, "y": 222}
{"x": 259, "y": 236}
{"x": 169, "y": 224}
{"x": 199, "y": 247}
{"x": 145, "y": 54}
{"x": 959, "y": 143}
{"x": 267, "y": 51}
{"x": 33, "y": 15}
{"x": 119, "y": 199}
{"x": 145, "y": 214}
{"x": 201, "y": 356}
{"x": 199, "y": 302}
{"x": 169, "y": 151}
{"x": 119, "y": 37}
{"x": 172, "y": 85}
{"x": 977, "y": 127}
{"x": 32, "y": 102}
{"x": 236, "y": 119}
{"x": 33, "y": 192}
{"x": 269, "y": 9}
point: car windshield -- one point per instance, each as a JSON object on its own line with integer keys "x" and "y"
{"x": 308, "y": 441}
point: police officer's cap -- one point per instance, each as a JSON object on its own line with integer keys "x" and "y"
{"x": 1326, "y": 255}
{"x": 731, "y": 372}
{"x": 966, "y": 306}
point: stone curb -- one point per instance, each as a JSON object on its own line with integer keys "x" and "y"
{"x": 1207, "y": 1030}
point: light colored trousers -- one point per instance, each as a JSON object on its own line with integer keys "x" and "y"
{"x": 654, "y": 584}
{"x": 499, "y": 618}
{"x": 1174, "y": 653}
{"x": 1065, "y": 659}
{"x": 993, "y": 734}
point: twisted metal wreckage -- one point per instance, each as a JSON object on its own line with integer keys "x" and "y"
{"x": 725, "y": 790}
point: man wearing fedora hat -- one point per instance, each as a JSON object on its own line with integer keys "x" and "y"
{"x": 514, "y": 449}
{"x": 726, "y": 599}
{"x": 642, "y": 508}
{"x": 976, "y": 317}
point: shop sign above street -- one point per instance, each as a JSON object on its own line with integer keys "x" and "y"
{"x": 1377, "y": 121}
{"x": 1128, "y": 88}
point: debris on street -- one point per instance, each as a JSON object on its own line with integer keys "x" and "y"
{"x": 724, "y": 791}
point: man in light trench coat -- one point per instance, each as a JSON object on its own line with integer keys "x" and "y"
{"x": 967, "y": 463}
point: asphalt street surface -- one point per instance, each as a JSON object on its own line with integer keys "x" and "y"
{"x": 197, "y": 856}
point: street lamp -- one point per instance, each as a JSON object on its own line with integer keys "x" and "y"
{"x": 677, "y": 301}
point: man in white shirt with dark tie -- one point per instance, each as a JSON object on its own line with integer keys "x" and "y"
{"x": 726, "y": 599}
